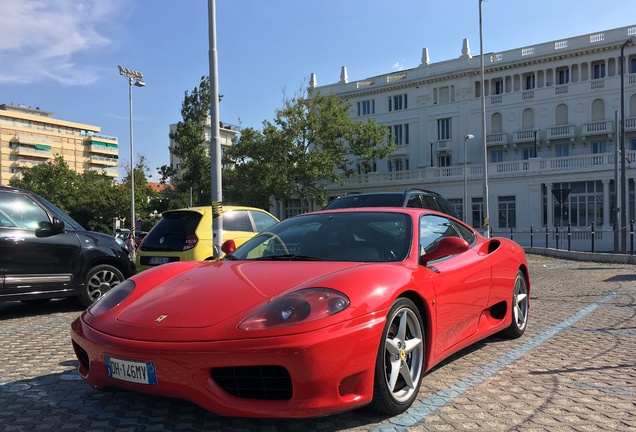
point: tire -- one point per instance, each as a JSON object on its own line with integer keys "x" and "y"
{"x": 518, "y": 308}
{"x": 99, "y": 280}
{"x": 400, "y": 360}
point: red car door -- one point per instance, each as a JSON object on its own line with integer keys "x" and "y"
{"x": 461, "y": 283}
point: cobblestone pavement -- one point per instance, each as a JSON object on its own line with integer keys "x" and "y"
{"x": 573, "y": 370}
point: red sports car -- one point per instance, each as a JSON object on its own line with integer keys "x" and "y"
{"x": 324, "y": 312}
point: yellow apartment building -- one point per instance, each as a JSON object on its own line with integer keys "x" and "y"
{"x": 31, "y": 136}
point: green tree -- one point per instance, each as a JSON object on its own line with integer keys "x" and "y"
{"x": 144, "y": 194}
{"x": 193, "y": 176}
{"x": 54, "y": 181}
{"x": 91, "y": 198}
{"x": 308, "y": 146}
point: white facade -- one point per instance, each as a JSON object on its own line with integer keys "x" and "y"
{"x": 566, "y": 93}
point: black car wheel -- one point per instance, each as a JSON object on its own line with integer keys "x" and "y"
{"x": 400, "y": 360}
{"x": 99, "y": 280}
{"x": 519, "y": 308}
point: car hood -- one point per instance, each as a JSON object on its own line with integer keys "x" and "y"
{"x": 216, "y": 294}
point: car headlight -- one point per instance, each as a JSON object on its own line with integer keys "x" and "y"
{"x": 300, "y": 307}
{"x": 112, "y": 298}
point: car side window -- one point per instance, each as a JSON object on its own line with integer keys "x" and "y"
{"x": 262, "y": 221}
{"x": 432, "y": 229}
{"x": 430, "y": 203}
{"x": 237, "y": 220}
{"x": 20, "y": 211}
{"x": 414, "y": 201}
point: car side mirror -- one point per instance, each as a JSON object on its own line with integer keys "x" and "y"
{"x": 228, "y": 246}
{"x": 46, "y": 229}
{"x": 445, "y": 247}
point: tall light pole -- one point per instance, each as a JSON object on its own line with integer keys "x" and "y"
{"x": 134, "y": 78}
{"x": 623, "y": 155}
{"x": 483, "y": 128}
{"x": 215, "y": 139}
{"x": 466, "y": 138}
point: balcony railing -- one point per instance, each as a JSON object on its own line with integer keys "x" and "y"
{"x": 598, "y": 128}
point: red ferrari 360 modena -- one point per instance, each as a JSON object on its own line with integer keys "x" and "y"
{"x": 323, "y": 312}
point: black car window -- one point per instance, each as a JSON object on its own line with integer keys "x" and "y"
{"x": 262, "y": 221}
{"x": 414, "y": 201}
{"x": 237, "y": 220}
{"x": 20, "y": 211}
{"x": 430, "y": 203}
{"x": 372, "y": 200}
{"x": 171, "y": 231}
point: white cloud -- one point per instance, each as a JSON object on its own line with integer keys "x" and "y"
{"x": 43, "y": 40}
{"x": 398, "y": 66}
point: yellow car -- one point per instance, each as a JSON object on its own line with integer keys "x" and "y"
{"x": 186, "y": 234}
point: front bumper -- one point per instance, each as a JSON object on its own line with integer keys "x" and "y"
{"x": 330, "y": 370}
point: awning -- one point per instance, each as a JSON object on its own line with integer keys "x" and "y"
{"x": 42, "y": 147}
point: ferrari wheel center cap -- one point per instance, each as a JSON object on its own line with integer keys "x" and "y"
{"x": 402, "y": 354}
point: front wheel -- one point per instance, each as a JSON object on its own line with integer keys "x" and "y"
{"x": 99, "y": 280}
{"x": 400, "y": 361}
{"x": 519, "y": 308}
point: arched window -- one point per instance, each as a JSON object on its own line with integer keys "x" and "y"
{"x": 598, "y": 110}
{"x": 562, "y": 115}
{"x": 496, "y": 123}
{"x": 527, "y": 119}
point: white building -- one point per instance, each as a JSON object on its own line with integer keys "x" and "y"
{"x": 552, "y": 120}
{"x": 227, "y": 132}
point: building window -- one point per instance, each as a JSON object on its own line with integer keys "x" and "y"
{"x": 563, "y": 76}
{"x": 599, "y": 147}
{"x": 562, "y": 150}
{"x": 507, "y": 212}
{"x": 496, "y": 156}
{"x": 398, "y": 102}
{"x": 583, "y": 205}
{"x": 498, "y": 86}
{"x": 458, "y": 206}
{"x": 528, "y": 153}
{"x": 444, "y": 129}
{"x": 444, "y": 161}
{"x": 632, "y": 64}
{"x": 444, "y": 95}
{"x": 529, "y": 81}
{"x": 598, "y": 70}
{"x": 399, "y": 134}
{"x": 477, "y": 210}
{"x": 366, "y": 107}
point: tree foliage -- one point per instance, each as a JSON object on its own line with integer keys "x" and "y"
{"x": 307, "y": 146}
{"x": 193, "y": 175}
{"x": 93, "y": 199}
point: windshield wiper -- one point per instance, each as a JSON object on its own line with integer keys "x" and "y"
{"x": 289, "y": 257}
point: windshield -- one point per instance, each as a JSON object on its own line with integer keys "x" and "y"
{"x": 351, "y": 236}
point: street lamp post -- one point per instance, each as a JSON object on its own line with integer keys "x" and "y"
{"x": 536, "y": 129}
{"x": 136, "y": 78}
{"x": 466, "y": 138}
{"x": 624, "y": 193}
{"x": 483, "y": 126}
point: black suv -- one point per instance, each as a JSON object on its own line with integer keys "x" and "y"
{"x": 45, "y": 254}
{"x": 419, "y": 198}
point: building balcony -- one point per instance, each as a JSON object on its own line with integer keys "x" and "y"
{"x": 109, "y": 171}
{"x": 497, "y": 139}
{"x": 597, "y": 128}
{"x": 34, "y": 151}
{"x": 104, "y": 148}
{"x": 566, "y": 132}
{"x": 29, "y": 163}
{"x": 630, "y": 124}
{"x": 31, "y": 140}
{"x": 104, "y": 161}
{"x": 443, "y": 146}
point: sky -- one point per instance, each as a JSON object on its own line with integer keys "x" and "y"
{"x": 62, "y": 55}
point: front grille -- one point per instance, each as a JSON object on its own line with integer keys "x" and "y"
{"x": 82, "y": 356}
{"x": 254, "y": 382}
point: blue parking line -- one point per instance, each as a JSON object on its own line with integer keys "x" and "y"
{"x": 419, "y": 412}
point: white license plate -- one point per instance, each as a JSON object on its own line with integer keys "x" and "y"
{"x": 131, "y": 371}
{"x": 158, "y": 260}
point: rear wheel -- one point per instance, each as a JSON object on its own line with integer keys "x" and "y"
{"x": 99, "y": 281}
{"x": 519, "y": 308}
{"x": 400, "y": 360}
